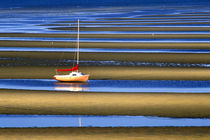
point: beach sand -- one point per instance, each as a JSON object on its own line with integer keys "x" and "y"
{"x": 191, "y": 105}
{"x": 157, "y": 133}
{"x": 93, "y": 103}
{"x": 118, "y": 45}
{"x": 112, "y": 73}
{"x": 128, "y": 36}
{"x": 106, "y": 56}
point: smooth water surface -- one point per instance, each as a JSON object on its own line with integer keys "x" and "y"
{"x": 24, "y": 49}
{"x": 118, "y": 40}
{"x": 8, "y": 121}
{"x": 171, "y": 86}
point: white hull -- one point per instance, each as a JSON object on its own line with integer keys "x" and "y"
{"x": 69, "y": 78}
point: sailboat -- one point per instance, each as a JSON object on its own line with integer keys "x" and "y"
{"x": 75, "y": 75}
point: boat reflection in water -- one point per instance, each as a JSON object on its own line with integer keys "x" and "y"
{"x": 71, "y": 86}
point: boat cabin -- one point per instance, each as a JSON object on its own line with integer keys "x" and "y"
{"x": 76, "y": 74}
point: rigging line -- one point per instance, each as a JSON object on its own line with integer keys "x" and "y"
{"x": 75, "y": 55}
{"x": 52, "y": 45}
{"x": 60, "y": 58}
{"x": 74, "y": 60}
{"x": 58, "y": 63}
{"x": 77, "y": 52}
{"x": 78, "y": 43}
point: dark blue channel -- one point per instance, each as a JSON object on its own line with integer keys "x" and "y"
{"x": 20, "y": 121}
{"x": 172, "y": 86}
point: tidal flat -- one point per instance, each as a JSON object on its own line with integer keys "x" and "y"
{"x": 113, "y": 45}
{"x": 187, "y": 105}
{"x": 111, "y": 72}
{"x": 159, "y": 133}
{"x": 183, "y": 31}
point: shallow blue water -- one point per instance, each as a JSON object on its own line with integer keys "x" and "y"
{"x": 155, "y": 86}
{"x": 27, "y": 20}
{"x": 97, "y": 3}
{"x": 103, "y": 39}
{"x": 15, "y": 19}
{"x": 19, "y": 20}
{"x": 8, "y": 121}
{"x": 24, "y": 49}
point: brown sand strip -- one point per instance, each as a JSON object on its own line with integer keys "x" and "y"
{"x": 140, "y": 45}
{"x": 157, "y": 133}
{"x": 134, "y": 28}
{"x": 149, "y": 36}
{"x": 84, "y": 103}
{"x": 135, "y": 57}
{"x": 114, "y": 73}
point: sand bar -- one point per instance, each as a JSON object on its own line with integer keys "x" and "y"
{"x": 80, "y": 103}
{"x": 158, "y": 133}
{"x": 140, "y": 45}
{"x": 110, "y": 73}
{"x": 106, "y": 56}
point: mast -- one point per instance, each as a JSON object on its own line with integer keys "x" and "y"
{"x": 78, "y": 44}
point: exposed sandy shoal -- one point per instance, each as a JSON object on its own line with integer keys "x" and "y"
{"x": 110, "y": 72}
{"x": 158, "y": 133}
{"x": 114, "y": 73}
{"x": 140, "y": 45}
{"x": 87, "y": 103}
{"x": 146, "y": 36}
{"x": 100, "y": 56}
{"x": 134, "y": 28}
